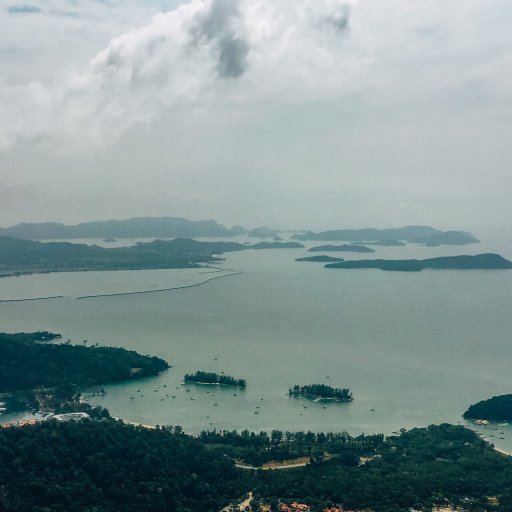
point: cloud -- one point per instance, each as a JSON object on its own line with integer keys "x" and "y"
{"x": 23, "y": 9}
{"x": 197, "y": 56}
{"x": 222, "y": 23}
{"x": 340, "y": 19}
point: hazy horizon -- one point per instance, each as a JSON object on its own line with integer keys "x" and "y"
{"x": 308, "y": 114}
{"x": 251, "y": 226}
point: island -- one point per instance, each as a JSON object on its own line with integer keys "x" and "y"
{"x": 446, "y": 238}
{"x": 321, "y": 258}
{"x": 200, "y": 377}
{"x": 479, "y": 262}
{"x": 384, "y": 243}
{"x": 262, "y": 232}
{"x": 277, "y": 245}
{"x": 425, "y": 235}
{"x": 321, "y": 392}
{"x": 497, "y": 408}
{"x": 341, "y": 248}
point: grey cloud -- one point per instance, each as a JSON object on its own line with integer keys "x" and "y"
{"x": 218, "y": 19}
{"x": 223, "y": 25}
{"x": 23, "y": 9}
{"x": 232, "y": 57}
{"x": 340, "y": 20}
{"x": 66, "y": 14}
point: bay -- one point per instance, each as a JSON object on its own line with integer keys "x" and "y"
{"x": 414, "y": 348}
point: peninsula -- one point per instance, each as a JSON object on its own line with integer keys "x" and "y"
{"x": 479, "y": 262}
{"x": 19, "y": 256}
{"x": 497, "y": 408}
{"x": 25, "y": 256}
{"x": 33, "y": 365}
{"x": 200, "y": 377}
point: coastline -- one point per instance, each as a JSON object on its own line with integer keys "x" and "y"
{"x": 503, "y": 452}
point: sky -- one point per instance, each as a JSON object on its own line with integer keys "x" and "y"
{"x": 302, "y": 114}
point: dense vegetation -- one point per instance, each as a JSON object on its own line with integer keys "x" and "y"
{"x": 258, "y": 449}
{"x": 321, "y": 391}
{"x": 41, "y": 335}
{"x": 341, "y": 248}
{"x": 107, "y": 466}
{"x": 29, "y": 256}
{"x": 24, "y": 256}
{"x": 478, "y": 262}
{"x": 200, "y": 377}
{"x": 497, "y": 408}
{"x": 27, "y": 365}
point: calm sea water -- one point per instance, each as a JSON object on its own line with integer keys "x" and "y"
{"x": 414, "y": 348}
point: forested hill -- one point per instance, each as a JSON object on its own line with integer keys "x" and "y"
{"x": 26, "y": 364}
{"x": 24, "y": 256}
{"x": 107, "y": 466}
{"x": 477, "y": 262}
{"x": 137, "y": 227}
{"x": 18, "y": 255}
{"x": 497, "y": 408}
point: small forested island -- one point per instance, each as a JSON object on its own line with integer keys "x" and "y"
{"x": 200, "y": 377}
{"x": 497, "y": 408}
{"x": 384, "y": 243}
{"x": 341, "y": 248}
{"x": 321, "y": 258}
{"x": 26, "y": 364}
{"x": 277, "y": 245}
{"x": 321, "y": 391}
{"x": 478, "y": 262}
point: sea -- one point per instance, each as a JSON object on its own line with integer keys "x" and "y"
{"x": 414, "y": 348}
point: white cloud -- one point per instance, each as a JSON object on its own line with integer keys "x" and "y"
{"x": 201, "y": 54}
